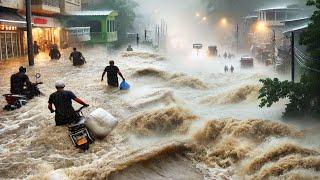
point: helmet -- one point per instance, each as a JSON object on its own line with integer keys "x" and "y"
{"x": 60, "y": 84}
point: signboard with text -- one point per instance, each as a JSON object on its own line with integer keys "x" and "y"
{"x": 41, "y": 21}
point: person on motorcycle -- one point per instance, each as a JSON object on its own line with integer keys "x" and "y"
{"x": 19, "y": 81}
{"x": 62, "y": 101}
{"x": 112, "y": 74}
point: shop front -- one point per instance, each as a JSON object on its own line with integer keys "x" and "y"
{"x": 47, "y": 32}
{"x": 11, "y": 30}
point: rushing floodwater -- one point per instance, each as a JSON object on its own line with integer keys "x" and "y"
{"x": 184, "y": 118}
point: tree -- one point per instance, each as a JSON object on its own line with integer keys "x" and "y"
{"x": 310, "y": 37}
{"x": 304, "y": 96}
{"x": 126, "y": 16}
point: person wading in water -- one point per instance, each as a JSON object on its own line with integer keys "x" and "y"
{"x": 112, "y": 74}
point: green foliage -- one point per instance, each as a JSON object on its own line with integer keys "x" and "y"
{"x": 304, "y": 96}
{"x": 310, "y": 37}
{"x": 126, "y": 16}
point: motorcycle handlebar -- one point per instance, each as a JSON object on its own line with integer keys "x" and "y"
{"x": 81, "y": 108}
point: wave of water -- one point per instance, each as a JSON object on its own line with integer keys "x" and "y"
{"x": 164, "y": 125}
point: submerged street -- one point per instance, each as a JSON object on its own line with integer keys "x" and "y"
{"x": 183, "y": 113}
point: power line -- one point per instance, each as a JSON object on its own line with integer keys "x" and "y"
{"x": 299, "y": 58}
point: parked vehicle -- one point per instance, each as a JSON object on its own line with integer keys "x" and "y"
{"x": 246, "y": 62}
{"x": 212, "y": 51}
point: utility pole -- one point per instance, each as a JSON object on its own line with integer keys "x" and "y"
{"x": 292, "y": 56}
{"x": 237, "y": 31}
{"x": 273, "y": 45}
{"x": 145, "y": 34}
{"x": 29, "y": 32}
{"x": 158, "y": 35}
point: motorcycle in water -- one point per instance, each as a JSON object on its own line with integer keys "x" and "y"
{"x": 15, "y": 101}
{"x": 80, "y": 135}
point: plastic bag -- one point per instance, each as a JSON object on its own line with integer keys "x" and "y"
{"x": 124, "y": 85}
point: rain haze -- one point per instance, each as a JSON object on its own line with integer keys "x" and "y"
{"x": 166, "y": 89}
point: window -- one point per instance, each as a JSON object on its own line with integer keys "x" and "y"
{"x": 280, "y": 16}
{"x": 270, "y": 16}
{"x": 111, "y": 26}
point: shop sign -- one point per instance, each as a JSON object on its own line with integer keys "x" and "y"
{"x": 40, "y": 21}
{"x": 7, "y": 28}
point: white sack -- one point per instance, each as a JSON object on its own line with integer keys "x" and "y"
{"x": 101, "y": 123}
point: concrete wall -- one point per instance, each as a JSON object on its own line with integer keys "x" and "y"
{"x": 14, "y": 4}
{"x": 70, "y": 5}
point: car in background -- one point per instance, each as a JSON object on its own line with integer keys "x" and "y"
{"x": 212, "y": 51}
{"x": 246, "y": 62}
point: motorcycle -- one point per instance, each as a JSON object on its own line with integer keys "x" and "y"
{"x": 16, "y": 101}
{"x": 80, "y": 135}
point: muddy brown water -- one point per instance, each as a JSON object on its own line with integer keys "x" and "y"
{"x": 183, "y": 118}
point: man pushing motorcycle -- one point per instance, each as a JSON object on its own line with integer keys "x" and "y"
{"x": 62, "y": 101}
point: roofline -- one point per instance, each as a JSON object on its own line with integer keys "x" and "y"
{"x": 253, "y": 16}
{"x": 295, "y": 29}
{"x": 83, "y": 13}
{"x": 13, "y": 21}
{"x": 279, "y": 8}
{"x": 297, "y": 19}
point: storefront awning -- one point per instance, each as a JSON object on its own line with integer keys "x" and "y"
{"x": 93, "y": 13}
{"x": 12, "y": 19}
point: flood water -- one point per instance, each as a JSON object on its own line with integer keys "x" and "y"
{"x": 183, "y": 118}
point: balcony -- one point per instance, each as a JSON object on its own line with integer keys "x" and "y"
{"x": 102, "y": 37}
{"x": 78, "y": 34}
{"x": 112, "y": 36}
{"x": 273, "y": 23}
{"x": 46, "y": 6}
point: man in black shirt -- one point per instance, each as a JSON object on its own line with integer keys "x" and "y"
{"x": 18, "y": 82}
{"x": 55, "y": 53}
{"x": 77, "y": 58}
{"x": 112, "y": 74}
{"x": 62, "y": 101}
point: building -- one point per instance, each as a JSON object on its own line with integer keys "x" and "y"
{"x": 249, "y": 29}
{"x": 47, "y": 28}
{"x": 13, "y": 4}
{"x": 296, "y": 27}
{"x": 45, "y": 7}
{"x": 78, "y": 35}
{"x": 70, "y": 5}
{"x": 102, "y": 24}
{"x": 86, "y": 4}
{"x": 267, "y": 36}
{"x": 12, "y": 26}
{"x": 274, "y": 16}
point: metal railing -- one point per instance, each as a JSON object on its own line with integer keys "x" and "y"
{"x": 104, "y": 36}
{"x": 79, "y": 34}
